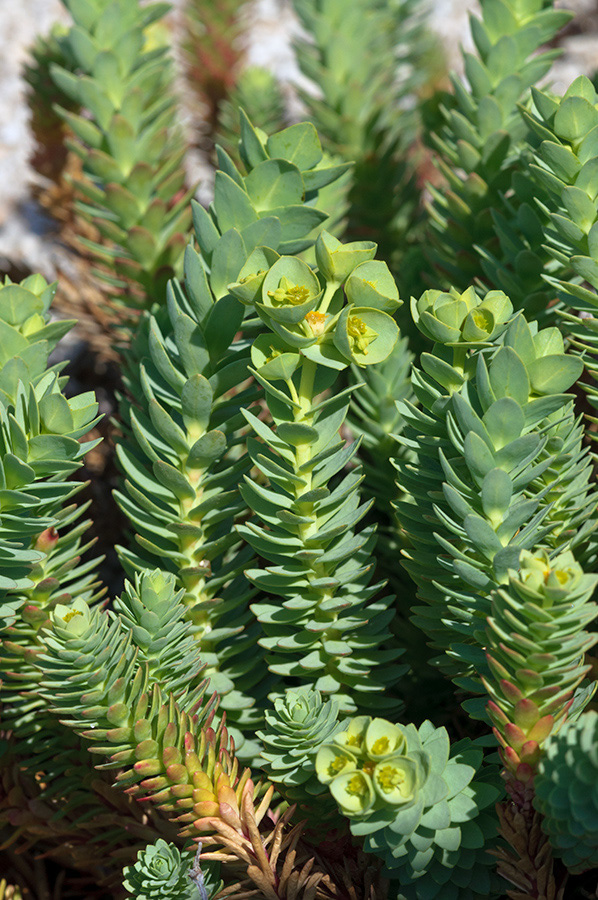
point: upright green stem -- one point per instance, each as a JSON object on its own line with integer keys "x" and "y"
{"x": 306, "y": 389}
{"x": 331, "y": 289}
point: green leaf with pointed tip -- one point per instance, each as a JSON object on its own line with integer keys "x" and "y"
{"x": 298, "y": 144}
{"x": 18, "y": 304}
{"x": 173, "y": 480}
{"x": 274, "y": 183}
{"x": 56, "y": 414}
{"x": 509, "y": 377}
{"x": 227, "y": 259}
{"x": 223, "y": 323}
{"x": 297, "y": 434}
{"x": 233, "y": 206}
{"x": 192, "y": 345}
{"x": 574, "y": 118}
{"x": 252, "y": 149}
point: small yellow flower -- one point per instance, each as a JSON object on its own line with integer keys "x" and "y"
{"x": 357, "y": 785}
{"x": 288, "y": 294}
{"x": 360, "y": 336}
{"x": 396, "y": 780}
{"x": 71, "y": 615}
{"x": 317, "y": 322}
{"x": 381, "y": 746}
{"x": 331, "y": 761}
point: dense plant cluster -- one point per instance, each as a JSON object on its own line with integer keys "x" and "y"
{"x": 351, "y": 659}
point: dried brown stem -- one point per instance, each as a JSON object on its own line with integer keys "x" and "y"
{"x": 529, "y": 864}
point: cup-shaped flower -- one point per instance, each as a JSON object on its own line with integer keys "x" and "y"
{"x": 290, "y": 291}
{"x": 248, "y": 286}
{"x": 273, "y": 358}
{"x": 333, "y": 761}
{"x": 383, "y": 740}
{"x": 481, "y": 323}
{"x": 477, "y": 326}
{"x": 336, "y": 260}
{"x": 453, "y": 318}
{"x": 353, "y": 737}
{"x": 365, "y": 336}
{"x": 549, "y": 580}
{"x": 396, "y": 780}
{"x": 440, "y": 315}
{"x": 74, "y": 618}
{"x": 354, "y": 793}
{"x": 371, "y": 284}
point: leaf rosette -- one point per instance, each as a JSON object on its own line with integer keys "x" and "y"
{"x": 161, "y": 872}
{"x": 566, "y": 792}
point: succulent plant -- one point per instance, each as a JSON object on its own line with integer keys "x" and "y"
{"x": 162, "y": 872}
{"x": 484, "y": 157}
{"x": 133, "y": 186}
{"x": 500, "y": 465}
{"x": 319, "y": 566}
{"x": 534, "y": 673}
{"x": 295, "y": 729}
{"x": 566, "y": 792}
{"x": 419, "y": 809}
{"x": 258, "y": 93}
{"x": 255, "y": 625}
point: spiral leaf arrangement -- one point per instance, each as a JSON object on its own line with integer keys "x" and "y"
{"x": 482, "y": 153}
{"x": 40, "y": 446}
{"x": 365, "y": 59}
{"x": 320, "y": 567}
{"x": 180, "y": 456}
{"x": 295, "y": 729}
{"x": 529, "y": 701}
{"x": 500, "y": 463}
{"x": 566, "y": 792}
{"x": 131, "y": 147}
{"x": 564, "y": 169}
{"x": 162, "y": 872}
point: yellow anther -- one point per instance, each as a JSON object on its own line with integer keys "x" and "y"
{"x": 389, "y": 778}
{"x": 288, "y": 294}
{"x": 359, "y": 334}
{"x": 382, "y": 745}
{"x": 71, "y": 615}
{"x": 337, "y": 765}
{"x": 357, "y": 785}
